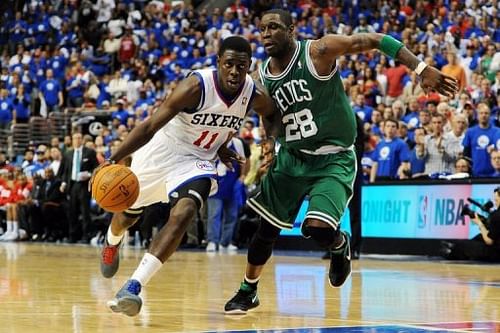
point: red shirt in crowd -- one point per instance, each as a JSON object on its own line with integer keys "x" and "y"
{"x": 395, "y": 80}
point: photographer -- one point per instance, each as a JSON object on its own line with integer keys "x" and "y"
{"x": 486, "y": 245}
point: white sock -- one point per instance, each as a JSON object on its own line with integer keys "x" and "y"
{"x": 10, "y": 226}
{"x": 252, "y": 280}
{"x": 147, "y": 268}
{"x": 112, "y": 239}
{"x": 15, "y": 227}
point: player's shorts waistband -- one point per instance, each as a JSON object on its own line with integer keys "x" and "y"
{"x": 326, "y": 150}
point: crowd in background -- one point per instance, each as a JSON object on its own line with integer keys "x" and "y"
{"x": 124, "y": 57}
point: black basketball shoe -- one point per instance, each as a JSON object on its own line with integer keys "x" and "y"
{"x": 244, "y": 300}
{"x": 340, "y": 263}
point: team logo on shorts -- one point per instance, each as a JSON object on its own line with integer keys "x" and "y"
{"x": 205, "y": 165}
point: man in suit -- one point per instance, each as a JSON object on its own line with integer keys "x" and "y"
{"x": 76, "y": 170}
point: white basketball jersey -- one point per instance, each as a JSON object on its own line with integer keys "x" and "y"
{"x": 202, "y": 131}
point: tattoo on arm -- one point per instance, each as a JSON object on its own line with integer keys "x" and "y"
{"x": 407, "y": 58}
{"x": 364, "y": 42}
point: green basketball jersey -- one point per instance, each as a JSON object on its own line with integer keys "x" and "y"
{"x": 315, "y": 111}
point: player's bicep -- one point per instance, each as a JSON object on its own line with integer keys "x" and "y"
{"x": 185, "y": 96}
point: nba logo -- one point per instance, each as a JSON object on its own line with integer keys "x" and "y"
{"x": 244, "y": 101}
{"x": 423, "y": 211}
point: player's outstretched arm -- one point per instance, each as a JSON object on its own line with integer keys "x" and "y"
{"x": 329, "y": 47}
{"x": 186, "y": 96}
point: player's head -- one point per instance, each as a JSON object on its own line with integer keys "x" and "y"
{"x": 276, "y": 32}
{"x": 233, "y": 63}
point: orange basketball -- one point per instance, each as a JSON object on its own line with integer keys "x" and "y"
{"x": 115, "y": 188}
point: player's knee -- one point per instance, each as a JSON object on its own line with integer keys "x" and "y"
{"x": 324, "y": 237}
{"x": 186, "y": 208}
{"x": 261, "y": 246}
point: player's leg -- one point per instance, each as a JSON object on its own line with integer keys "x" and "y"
{"x": 278, "y": 203}
{"x": 188, "y": 200}
{"x": 329, "y": 197}
{"x": 120, "y": 223}
{"x": 259, "y": 251}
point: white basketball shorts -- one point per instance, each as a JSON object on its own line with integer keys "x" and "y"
{"x": 162, "y": 166}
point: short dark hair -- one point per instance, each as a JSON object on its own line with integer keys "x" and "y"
{"x": 235, "y": 43}
{"x": 285, "y": 16}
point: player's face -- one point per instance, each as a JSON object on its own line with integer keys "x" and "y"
{"x": 275, "y": 35}
{"x": 232, "y": 69}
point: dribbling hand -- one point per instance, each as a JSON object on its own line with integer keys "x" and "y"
{"x": 228, "y": 156}
{"x": 96, "y": 170}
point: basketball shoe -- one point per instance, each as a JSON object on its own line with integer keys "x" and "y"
{"x": 127, "y": 300}
{"x": 340, "y": 263}
{"x": 110, "y": 259}
{"x": 244, "y": 300}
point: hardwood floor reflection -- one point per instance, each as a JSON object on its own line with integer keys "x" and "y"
{"x": 56, "y": 288}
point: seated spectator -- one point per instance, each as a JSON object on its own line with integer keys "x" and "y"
{"x": 495, "y": 162}
{"x": 417, "y": 165}
{"x": 463, "y": 165}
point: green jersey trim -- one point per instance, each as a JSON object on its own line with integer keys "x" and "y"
{"x": 312, "y": 69}
{"x": 266, "y": 74}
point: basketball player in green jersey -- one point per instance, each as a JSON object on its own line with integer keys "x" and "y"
{"x": 316, "y": 158}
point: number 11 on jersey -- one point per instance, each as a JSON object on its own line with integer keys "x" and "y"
{"x": 208, "y": 142}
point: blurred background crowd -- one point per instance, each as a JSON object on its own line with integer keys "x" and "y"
{"x": 121, "y": 58}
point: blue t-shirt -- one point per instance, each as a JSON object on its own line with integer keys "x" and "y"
{"x": 364, "y": 112}
{"x": 416, "y": 165}
{"x": 390, "y": 155}
{"x": 50, "y": 90}
{"x": 478, "y": 139}
{"x": 6, "y": 108}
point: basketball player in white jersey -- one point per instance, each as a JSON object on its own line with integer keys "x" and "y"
{"x": 174, "y": 153}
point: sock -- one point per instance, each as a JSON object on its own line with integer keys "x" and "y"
{"x": 252, "y": 283}
{"x": 10, "y": 226}
{"x": 147, "y": 268}
{"x": 112, "y": 239}
{"x": 15, "y": 227}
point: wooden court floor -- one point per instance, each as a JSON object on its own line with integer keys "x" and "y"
{"x": 58, "y": 288}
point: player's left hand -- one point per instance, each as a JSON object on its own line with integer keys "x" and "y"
{"x": 228, "y": 156}
{"x": 433, "y": 80}
{"x": 96, "y": 170}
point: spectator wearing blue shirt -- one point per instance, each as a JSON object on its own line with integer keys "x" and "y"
{"x": 121, "y": 114}
{"x": 391, "y": 156}
{"x": 362, "y": 110}
{"x": 417, "y": 165}
{"x": 17, "y": 31}
{"x": 75, "y": 88}
{"x": 6, "y": 109}
{"x": 21, "y": 103}
{"x": 51, "y": 91}
{"x": 479, "y": 142}
{"x": 223, "y": 206}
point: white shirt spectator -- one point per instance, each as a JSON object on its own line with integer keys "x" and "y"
{"x": 118, "y": 87}
{"x": 133, "y": 91}
{"x": 116, "y": 27}
{"x": 104, "y": 9}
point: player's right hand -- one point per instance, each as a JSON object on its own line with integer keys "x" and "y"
{"x": 228, "y": 156}
{"x": 96, "y": 170}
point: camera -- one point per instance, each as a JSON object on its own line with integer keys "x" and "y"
{"x": 466, "y": 211}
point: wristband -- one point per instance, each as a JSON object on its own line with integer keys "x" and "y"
{"x": 420, "y": 68}
{"x": 390, "y": 46}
